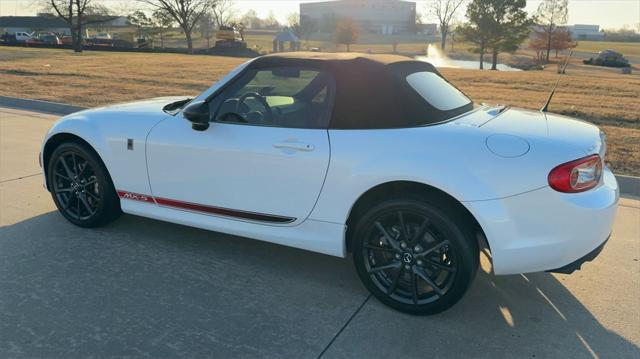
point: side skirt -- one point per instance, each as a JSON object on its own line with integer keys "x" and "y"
{"x": 188, "y": 206}
{"x": 312, "y": 235}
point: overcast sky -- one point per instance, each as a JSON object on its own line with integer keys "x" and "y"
{"x": 606, "y": 13}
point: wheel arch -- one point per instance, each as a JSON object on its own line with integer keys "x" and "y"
{"x": 60, "y": 138}
{"x": 395, "y": 189}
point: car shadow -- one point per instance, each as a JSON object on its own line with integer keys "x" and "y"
{"x": 144, "y": 287}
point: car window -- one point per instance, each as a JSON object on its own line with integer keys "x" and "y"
{"x": 280, "y": 97}
{"x": 437, "y": 91}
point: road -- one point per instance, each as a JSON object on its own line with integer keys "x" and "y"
{"x": 143, "y": 288}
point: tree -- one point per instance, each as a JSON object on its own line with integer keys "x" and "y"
{"x": 206, "y": 26}
{"x": 72, "y": 12}
{"x": 444, "y": 11}
{"x": 251, "y": 20}
{"x": 142, "y": 22}
{"x": 223, "y": 13}
{"x": 562, "y": 40}
{"x": 163, "y": 21}
{"x": 550, "y": 15}
{"x": 302, "y": 26}
{"x": 496, "y": 25}
{"x": 510, "y": 27}
{"x": 346, "y": 32}
{"x": 478, "y": 30}
{"x": 185, "y": 12}
{"x": 271, "y": 22}
{"x": 538, "y": 43}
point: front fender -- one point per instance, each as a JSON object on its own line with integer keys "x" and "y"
{"x": 108, "y": 133}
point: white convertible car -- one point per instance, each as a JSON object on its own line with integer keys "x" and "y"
{"x": 378, "y": 156}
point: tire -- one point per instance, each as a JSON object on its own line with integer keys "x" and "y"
{"x": 402, "y": 248}
{"x": 81, "y": 186}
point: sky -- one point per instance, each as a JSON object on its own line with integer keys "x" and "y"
{"x": 606, "y": 13}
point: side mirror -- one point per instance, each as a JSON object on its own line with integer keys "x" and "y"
{"x": 198, "y": 114}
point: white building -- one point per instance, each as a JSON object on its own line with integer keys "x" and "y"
{"x": 385, "y": 17}
{"x": 586, "y": 32}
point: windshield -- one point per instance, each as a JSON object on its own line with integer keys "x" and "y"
{"x": 437, "y": 91}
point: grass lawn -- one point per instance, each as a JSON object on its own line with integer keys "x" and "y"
{"x": 602, "y": 96}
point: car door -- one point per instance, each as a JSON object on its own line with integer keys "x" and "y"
{"x": 264, "y": 156}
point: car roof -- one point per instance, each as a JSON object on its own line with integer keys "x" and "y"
{"x": 371, "y": 90}
{"x": 338, "y": 57}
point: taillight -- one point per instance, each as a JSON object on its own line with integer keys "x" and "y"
{"x": 577, "y": 176}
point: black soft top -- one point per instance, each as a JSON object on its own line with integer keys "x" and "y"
{"x": 371, "y": 90}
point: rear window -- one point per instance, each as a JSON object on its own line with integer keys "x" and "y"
{"x": 437, "y": 91}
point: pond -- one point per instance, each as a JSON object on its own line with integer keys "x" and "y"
{"x": 438, "y": 59}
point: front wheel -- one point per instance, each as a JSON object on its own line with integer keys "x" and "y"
{"x": 81, "y": 187}
{"x": 415, "y": 257}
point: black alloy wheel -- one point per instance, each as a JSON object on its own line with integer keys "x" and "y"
{"x": 80, "y": 186}
{"x": 414, "y": 257}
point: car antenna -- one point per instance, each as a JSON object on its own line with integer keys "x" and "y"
{"x": 545, "y": 108}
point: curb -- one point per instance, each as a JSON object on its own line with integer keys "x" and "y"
{"x": 53, "y": 108}
{"x": 629, "y": 185}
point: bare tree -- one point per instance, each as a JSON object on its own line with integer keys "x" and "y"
{"x": 185, "y": 12}
{"x": 72, "y": 12}
{"x": 550, "y": 15}
{"x": 302, "y": 26}
{"x": 223, "y": 13}
{"x": 444, "y": 11}
{"x": 206, "y": 26}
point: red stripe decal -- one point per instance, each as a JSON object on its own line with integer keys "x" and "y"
{"x": 205, "y": 209}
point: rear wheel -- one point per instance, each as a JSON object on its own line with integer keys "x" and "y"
{"x": 81, "y": 187}
{"x": 415, "y": 257}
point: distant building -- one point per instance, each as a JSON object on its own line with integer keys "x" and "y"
{"x": 54, "y": 24}
{"x": 586, "y": 32}
{"x": 387, "y": 17}
{"x": 13, "y": 24}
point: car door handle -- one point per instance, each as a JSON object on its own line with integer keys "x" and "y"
{"x": 296, "y": 146}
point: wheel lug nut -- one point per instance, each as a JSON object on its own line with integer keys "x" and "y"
{"x": 419, "y": 262}
{"x": 417, "y": 249}
{"x": 397, "y": 256}
{"x": 407, "y": 267}
{"x": 403, "y": 245}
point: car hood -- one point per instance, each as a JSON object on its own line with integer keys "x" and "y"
{"x": 150, "y": 106}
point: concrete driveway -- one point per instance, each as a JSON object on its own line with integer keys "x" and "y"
{"x": 143, "y": 288}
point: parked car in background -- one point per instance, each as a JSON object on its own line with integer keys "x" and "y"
{"x": 23, "y": 36}
{"x": 49, "y": 39}
{"x": 102, "y": 36}
{"x": 608, "y": 58}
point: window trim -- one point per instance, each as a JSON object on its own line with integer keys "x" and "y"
{"x": 216, "y": 100}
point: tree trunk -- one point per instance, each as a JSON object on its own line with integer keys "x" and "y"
{"x": 494, "y": 60}
{"x": 482, "y": 59}
{"x": 77, "y": 45}
{"x": 549, "y": 36}
{"x": 187, "y": 33}
{"x": 348, "y": 48}
{"x": 443, "y": 40}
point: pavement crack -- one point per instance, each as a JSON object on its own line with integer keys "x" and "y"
{"x": 19, "y": 178}
{"x": 344, "y": 326}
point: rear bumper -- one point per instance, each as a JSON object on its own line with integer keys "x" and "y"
{"x": 576, "y": 265}
{"x": 545, "y": 230}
